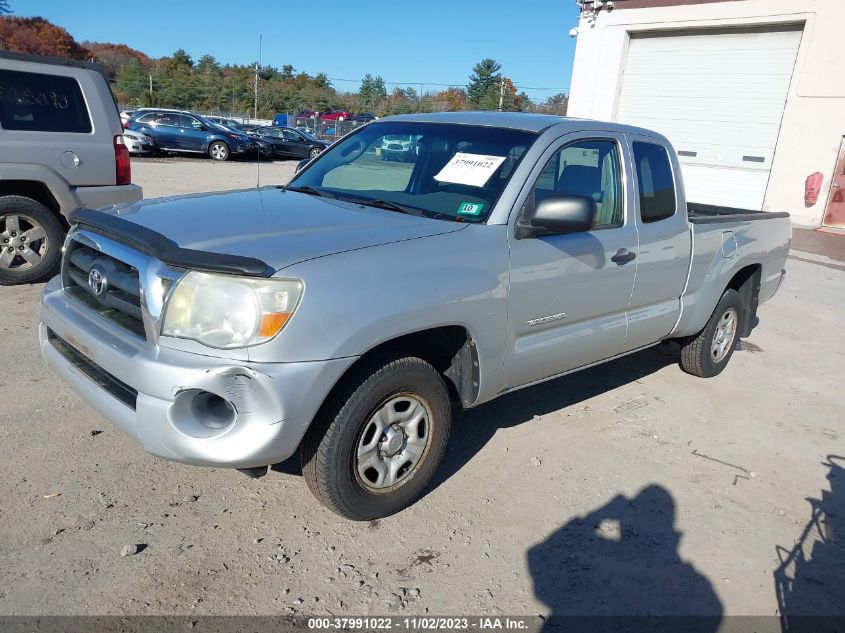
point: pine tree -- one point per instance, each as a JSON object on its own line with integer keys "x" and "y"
{"x": 484, "y": 85}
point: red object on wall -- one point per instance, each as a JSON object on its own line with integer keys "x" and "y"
{"x": 812, "y": 187}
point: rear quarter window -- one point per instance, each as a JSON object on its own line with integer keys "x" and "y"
{"x": 656, "y": 185}
{"x": 42, "y": 103}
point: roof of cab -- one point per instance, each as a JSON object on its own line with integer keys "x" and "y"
{"x": 516, "y": 121}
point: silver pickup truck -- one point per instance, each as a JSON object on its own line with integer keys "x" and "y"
{"x": 347, "y": 314}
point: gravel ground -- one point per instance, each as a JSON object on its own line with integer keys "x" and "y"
{"x": 631, "y": 487}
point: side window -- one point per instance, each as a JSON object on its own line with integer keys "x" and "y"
{"x": 167, "y": 118}
{"x": 657, "y": 188}
{"x": 189, "y": 122}
{"x": 42, "y": 103}
{"x": 152, "y": 117}
{"x": 586, "y": 168}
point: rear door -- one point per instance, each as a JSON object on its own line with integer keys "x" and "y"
{"x": 569, "y": 293}
{"x": 664, "y": 243}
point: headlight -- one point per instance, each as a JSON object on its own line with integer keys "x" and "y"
{"x": 224, "y": 311}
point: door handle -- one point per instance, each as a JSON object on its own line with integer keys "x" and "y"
{"x": 623, "y": 256}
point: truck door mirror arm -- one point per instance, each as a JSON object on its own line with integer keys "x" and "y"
{"x": 557, "y": 214}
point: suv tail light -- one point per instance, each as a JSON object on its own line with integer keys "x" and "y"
{"x": 122, "y": 168}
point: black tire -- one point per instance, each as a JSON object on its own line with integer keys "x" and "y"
{"x": 219, "y": 151}
{"x": 315, "y": 151}
{"x": 704, "y": 355}
{"x": 329, "y": 449}
{"x": 20, "y": 220}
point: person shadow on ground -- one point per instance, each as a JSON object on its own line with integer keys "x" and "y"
{"x": 618, "y": 569}
{"x": 810, "y": 580}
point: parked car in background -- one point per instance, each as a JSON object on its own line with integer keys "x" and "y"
{"x": 335, "y": 115}
{"x": 307, "y": 114}
{"x": 180, "y": 131}
{"x": 290, "y": 143}
{"x": 398, "y": 148}
{"x": 138, "y": 143}
{"x": 363, "y": 117}
{"x": 348, "y": 314}
{"x": 232, "y": 124}
{"x": 59, "y": 152}
{"x": 125, "y": 115}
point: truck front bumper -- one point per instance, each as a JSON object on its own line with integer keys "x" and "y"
{"x": 156, "y": 395}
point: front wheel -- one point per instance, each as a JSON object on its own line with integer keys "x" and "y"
{"x": 30, "y": 240}
{"x": 218, "y": 150}
{"x": 707, "y": 353}
{"x": 375, "y": 446}
{"x": 315, "y": 151}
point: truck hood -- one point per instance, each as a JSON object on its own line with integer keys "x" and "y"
{"x": 279, "y": 227}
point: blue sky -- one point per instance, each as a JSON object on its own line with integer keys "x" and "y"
{"x": 435, "y": 41}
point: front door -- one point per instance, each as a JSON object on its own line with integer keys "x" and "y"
{"x": 834, "y": 215}
{"x": 192, "y": 134}
{"x": 569, "y": 293}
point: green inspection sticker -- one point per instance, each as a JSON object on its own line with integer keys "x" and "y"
{"x": 471, "y": 208}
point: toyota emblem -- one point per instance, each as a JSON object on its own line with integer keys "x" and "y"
{"x": 97, "y": 282}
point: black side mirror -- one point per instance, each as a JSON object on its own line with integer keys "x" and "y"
{"x": 302, "y": 164}
{"x": 559, "y": 213}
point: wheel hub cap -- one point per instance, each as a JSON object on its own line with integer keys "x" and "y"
{"x": 23, "y": 242}
{"x": 393, "y": 443}
{"x": 724, "y": 336}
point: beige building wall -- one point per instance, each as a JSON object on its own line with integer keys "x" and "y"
{"x": 813, "y": 124}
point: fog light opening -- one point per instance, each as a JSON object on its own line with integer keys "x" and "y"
{"x": 212, "y": 411}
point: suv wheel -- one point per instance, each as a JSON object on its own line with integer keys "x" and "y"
{"x": 376, "y": 444}
{"x": 30, "y": 240}
{"x": 218, "y": 150}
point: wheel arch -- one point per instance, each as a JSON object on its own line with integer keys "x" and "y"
{"x": 746, "y": 281}
{"x": 450, "y": 349}
{"x": 35, "y": 190}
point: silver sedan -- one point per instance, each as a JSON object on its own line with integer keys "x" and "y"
{"x": 137, "y": 143}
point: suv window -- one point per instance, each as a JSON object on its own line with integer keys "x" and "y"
{"x": 586, "y": 168}
{"x": 42, "y": 103}
{"x": 654, "y": 178}
{"x": 189, "y": 122}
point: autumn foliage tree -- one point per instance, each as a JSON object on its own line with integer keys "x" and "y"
{"x": 37, "y": 36}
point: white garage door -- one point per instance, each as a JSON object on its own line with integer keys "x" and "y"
{"x": 719, "y": 97}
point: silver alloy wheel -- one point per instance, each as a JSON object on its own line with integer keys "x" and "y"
{"x": 723, "y": 337}
{"x": 23, "y": 242}
{"x": 315, "y": 152}
{"x": 219, "y": 151}
{"x": 393, "y": 443}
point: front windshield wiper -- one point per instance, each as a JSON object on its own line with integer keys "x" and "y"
{"x": 386, "y": 204}
{"x": 310, "y": 191}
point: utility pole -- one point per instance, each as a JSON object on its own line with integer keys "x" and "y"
{"x": 151, "y": 89}
{"x": 502, "y": 94}
{"x": 258, "y": 63}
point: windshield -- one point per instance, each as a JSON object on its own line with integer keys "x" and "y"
{"x": 454, "y": 172}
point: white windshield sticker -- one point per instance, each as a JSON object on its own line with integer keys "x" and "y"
{"x": 469, "y": 169}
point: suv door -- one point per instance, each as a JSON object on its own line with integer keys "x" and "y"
{"x": 665, "y": 243}
{"x": 192, "y": 134}
{"x": 568, "y": 297}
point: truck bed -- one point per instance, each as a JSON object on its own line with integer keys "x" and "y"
{"x": 712, "y": 214}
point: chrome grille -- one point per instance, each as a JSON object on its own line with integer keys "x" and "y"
{"x": 117, "y": 297}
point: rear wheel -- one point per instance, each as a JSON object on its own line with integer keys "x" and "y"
{"x": 378, "y": 442}
{"x": 218, "y": 150}
{"x": 315, "y": 151}
{"x": 707, "y": 353}
{"x": 30, "y": 240}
